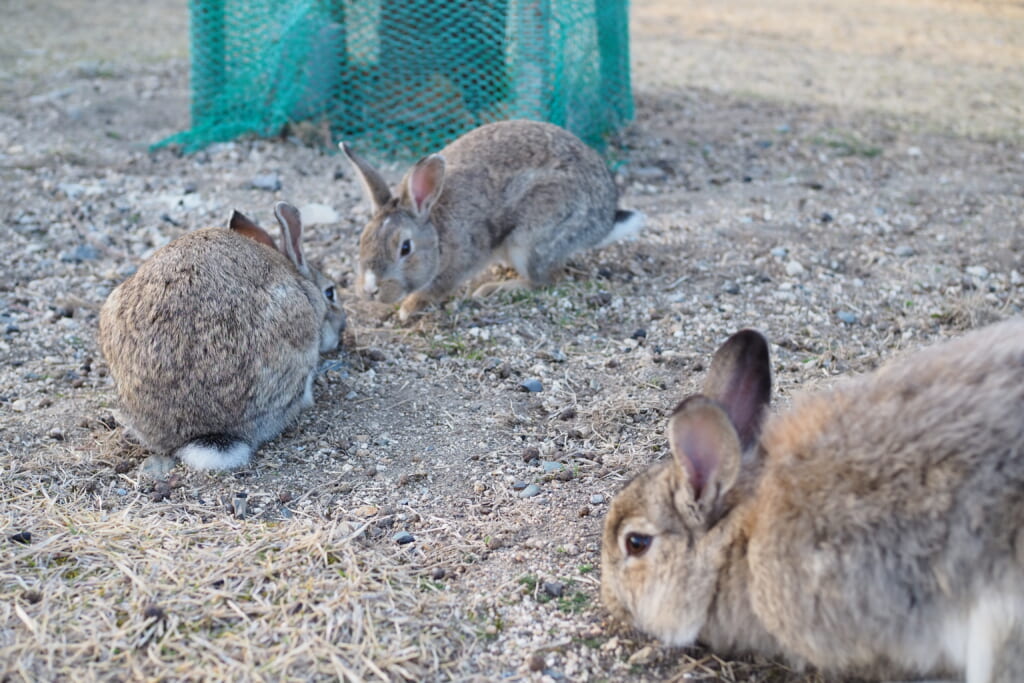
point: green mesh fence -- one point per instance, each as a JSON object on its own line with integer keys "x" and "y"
{"x": 403, "y": 77}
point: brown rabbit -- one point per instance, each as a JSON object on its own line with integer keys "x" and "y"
{"x": 214, "y": 343}
{"x": 524, "y": 193}
{"x": 875, "y": 530}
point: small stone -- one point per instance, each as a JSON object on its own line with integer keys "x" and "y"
{"x": 638, "y": 334}
{"x": 318, "y": 214}
{"x": 549, "y": 466}
{"x": 531, "y": 385}
{"x": 403, "y": 537}
{"x": 154, "y": 612}
{"x": 596, "y": 499}
{"x": 271, "y": 182}
{"x": 22, "y": 537}
{"x": 530, "y": 454}
{"x": 848, "y": 317}
{"x": 530, "y": 491}
{"x": 980, "y": 272}
{"x": 794, "y": 268}
{"x": 641, "y": 657}
{"x": 904, "y": 251}
{"x": 437, "y": 574}
{"x": 495, "y": 543}
{"x": 55, "y": 434}
{"x": 19, "y": 406}
{"x": 519, "y": 485}
{"x": 565, "y": 475}
{"x": 780, "y": 252}
{"x": 240, "y": 505}
{"x": 554, "y": 588}
{"x": 648, "y": 173}
{"x": 584, "y": 512}
{"x": 826, "y": 217}
{"x": 82, "y": 252}
{"x": 121, "y": 492}
{"x": 536, "y": 662}
{"x": 730, "y": 287}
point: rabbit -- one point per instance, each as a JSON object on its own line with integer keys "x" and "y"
{"x": 214, "y": 342}
{"x": 875, "y": 530}
{"x": 524, "y": 193}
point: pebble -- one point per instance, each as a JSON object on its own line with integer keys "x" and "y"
{"x": 271, "y": 182}
{"x": 531, "y": 385}
{"x": 19, "y": 406}
{"x": 530, "y": 491}
{"x": 848, "y": 317}
{"x": 318, "y": 214}
{"x": 536, "y": 662}
{"x": 826, "y": 217}
{"x": 531, "y": 453}
{"x": 596, "y": 499}
{"x": 794, "y": 268}
{"x": 82, "y": 252}
{"x": 519, "y": 485}
{"x": 121, "y": 492}
{"x": 980, "y": 272}
{"x": 554, "y": 588}
{"x": 56, "y": 434}
{"x": 904, "y": 251}
{"x": 641, "y": 657}
{"x": 22, "y": 537}
{"x": 780, "y": 252}
{"x": 403, "y": 537}
{"x": 639, "y": 333}
{"x": 648, "y": 173}
{"x": 550, "y": 467}
{"x": 730, "y": 287}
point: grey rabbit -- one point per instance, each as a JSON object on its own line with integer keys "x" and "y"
{"x": 523, "y": 193}
{"x": 875, "y": 530}
{"x": 214, "y": 342}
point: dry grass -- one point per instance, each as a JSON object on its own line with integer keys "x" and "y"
{"x": 165, "y": 591}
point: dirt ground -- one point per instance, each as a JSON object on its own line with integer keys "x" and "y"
{"x": 846, "y": 177}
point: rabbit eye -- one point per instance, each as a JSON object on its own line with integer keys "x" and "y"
{"x": 637, "y": 544}
{"x": 329, "y": 293}
{"x": 405, "y": 249}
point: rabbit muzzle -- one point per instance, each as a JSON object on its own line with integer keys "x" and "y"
{"x": 386, "y": 290}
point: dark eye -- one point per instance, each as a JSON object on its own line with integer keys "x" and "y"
{"x": 329, "y": 293}
{"x": 637, "y": 544}
{"x": 405, "y": 249}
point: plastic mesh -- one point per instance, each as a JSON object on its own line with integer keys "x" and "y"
{"x": 404, "y": 77}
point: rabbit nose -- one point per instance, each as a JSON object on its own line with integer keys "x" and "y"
{"x": 370, "y": 287}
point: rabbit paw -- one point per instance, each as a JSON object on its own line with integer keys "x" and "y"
{"x": 489, "y": 288}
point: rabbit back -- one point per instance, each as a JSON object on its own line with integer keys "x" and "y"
{"x": 215, "y": 336}
{"x": 890, "y": 512}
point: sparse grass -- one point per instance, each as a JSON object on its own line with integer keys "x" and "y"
{"x": 144, "y": 591}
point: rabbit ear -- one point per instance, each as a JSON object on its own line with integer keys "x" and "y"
{"x": 424, "y": 184}
{"x": 740, "y": 379}
{"x": 243, "y": 225}
{"x": 291, "y": 235}
{"x": 373, "y": 184}
{"x": 706, "y": 447}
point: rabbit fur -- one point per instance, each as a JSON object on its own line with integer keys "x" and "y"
{"x": 213, "y": 343}
{"x": 523, "y": 193}
{"x": 874, "y": 530}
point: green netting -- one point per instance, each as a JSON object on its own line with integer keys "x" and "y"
{"x": 402, "y": 77}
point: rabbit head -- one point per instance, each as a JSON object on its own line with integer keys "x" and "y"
{"x": 665, "y": 535}
{"x": 399, "y": 249}
{"x": 328, "y": 305}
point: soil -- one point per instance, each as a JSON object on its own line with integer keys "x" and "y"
{"x": 846, "y": 177}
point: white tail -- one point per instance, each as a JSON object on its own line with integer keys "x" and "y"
{"x": 217, "y": 452}
{"x": 627, "y": 224}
